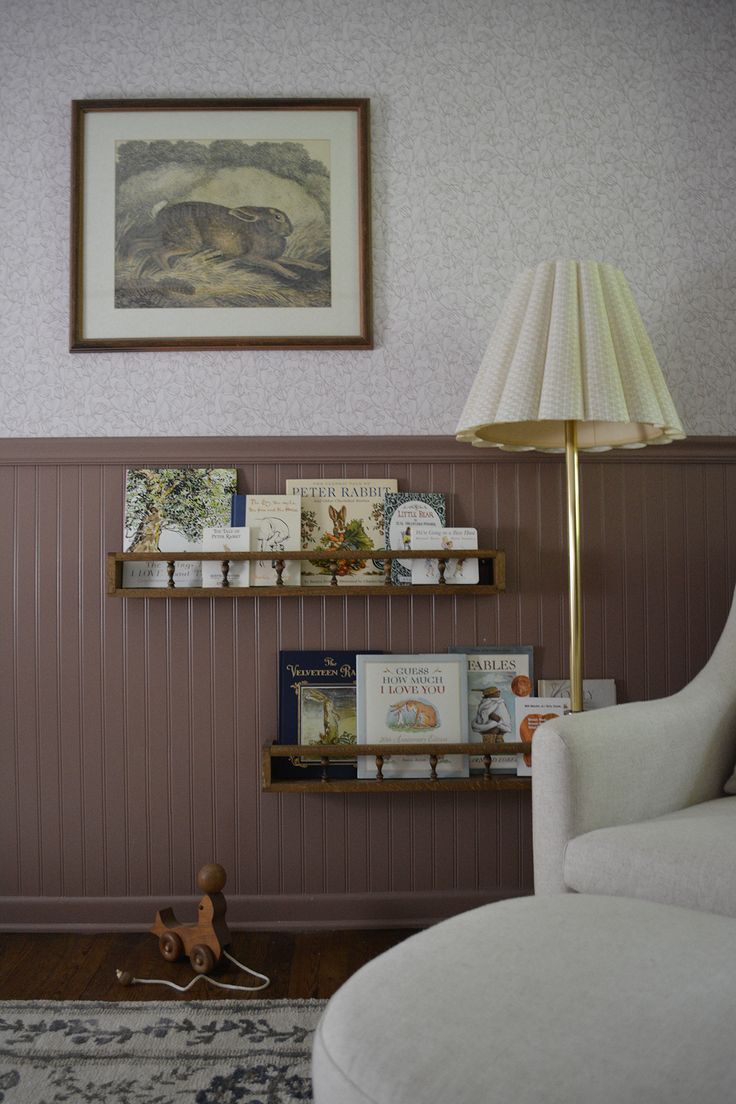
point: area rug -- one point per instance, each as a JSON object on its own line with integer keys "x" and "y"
{"x": 188, "y": 1052}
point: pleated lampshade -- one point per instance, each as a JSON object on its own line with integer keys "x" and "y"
{"x": 570, "y": 345}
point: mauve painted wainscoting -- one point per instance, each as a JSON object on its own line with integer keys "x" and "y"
{"x": 131, "y": 729}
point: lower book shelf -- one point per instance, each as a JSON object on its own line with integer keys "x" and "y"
{"x": 325, "y": 783}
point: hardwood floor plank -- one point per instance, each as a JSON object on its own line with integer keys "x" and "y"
{"x": 64, "y": 966}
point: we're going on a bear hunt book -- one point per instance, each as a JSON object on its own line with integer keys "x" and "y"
{"x": 412, "y": 699}
{"x": 342, "y": 513}
{"x": 166, "y": 510}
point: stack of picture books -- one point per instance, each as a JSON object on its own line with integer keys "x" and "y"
{"x": 468, "y": 695}
{"x": 199, "y": 509}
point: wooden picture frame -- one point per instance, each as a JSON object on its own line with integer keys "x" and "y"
{"x": 220, "y": 224}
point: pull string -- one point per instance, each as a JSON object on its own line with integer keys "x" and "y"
{"x": 127, "y": 979}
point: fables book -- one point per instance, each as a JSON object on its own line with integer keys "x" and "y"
{"x": 499, "y": 676}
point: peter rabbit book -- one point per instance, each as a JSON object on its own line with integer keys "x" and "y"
{"x": 456, "y": 571}
{"x": 531, "y": 713}
{"x": 343, "y": 513}
{"x": 499, "y": 676}
{"x": 225, "y": 538}
{"x": 316, "y": 706}
{"x": 274, "y": 524}
{"x": 166, "y": 510}
{"x": 412, "y": 699}
{"x": 409, "y": 515}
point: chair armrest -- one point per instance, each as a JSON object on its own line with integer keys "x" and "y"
{"x": 624, "y": 764}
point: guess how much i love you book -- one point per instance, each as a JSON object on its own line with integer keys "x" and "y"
{"x": 412, "y": 699}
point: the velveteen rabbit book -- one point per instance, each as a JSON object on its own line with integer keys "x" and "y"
{"x": 343, "y": 513}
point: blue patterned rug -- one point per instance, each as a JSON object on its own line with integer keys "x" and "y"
{"x": 177, "y": 1052}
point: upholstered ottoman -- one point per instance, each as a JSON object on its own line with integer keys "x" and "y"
{"x": 568, "y": 999}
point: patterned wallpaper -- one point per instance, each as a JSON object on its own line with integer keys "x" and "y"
{"x": 504, "y": 132}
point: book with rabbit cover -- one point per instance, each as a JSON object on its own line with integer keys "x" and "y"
{"x": 342, "y": 513}
{"x": 167, "y": 510}
{"x": 412, "y": 699}
{"x": 409, "y": 514}
{"x": 274, "y": 524}
{"x": 316, "y": 706}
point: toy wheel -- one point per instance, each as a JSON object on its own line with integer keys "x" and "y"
{"x": 202, "y": 959}
{"x": 170, "y": 946}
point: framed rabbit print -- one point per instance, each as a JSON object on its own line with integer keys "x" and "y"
{"x": 220, "y": 224}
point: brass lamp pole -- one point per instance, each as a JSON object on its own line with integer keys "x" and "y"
{"x": 573, "y": 567}
{"x": 570, "y": 367}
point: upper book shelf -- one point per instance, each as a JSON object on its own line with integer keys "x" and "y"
{"x": 492, "y": 573}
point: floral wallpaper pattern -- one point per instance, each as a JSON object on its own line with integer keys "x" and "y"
{"x": 504, "y": 132}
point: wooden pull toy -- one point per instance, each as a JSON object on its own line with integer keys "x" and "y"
{"x": 203, "y": 942}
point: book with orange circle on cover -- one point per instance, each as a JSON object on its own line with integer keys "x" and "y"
{"x": 498, "y": 676}
{"x": 530, "y": 714}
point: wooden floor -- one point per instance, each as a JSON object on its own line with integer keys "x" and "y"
{"x": 82, "y": 967}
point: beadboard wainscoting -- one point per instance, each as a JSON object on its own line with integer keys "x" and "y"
{"x": 132, "y": 728}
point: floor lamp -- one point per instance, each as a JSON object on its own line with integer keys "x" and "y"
{"x": 570, "y": 367}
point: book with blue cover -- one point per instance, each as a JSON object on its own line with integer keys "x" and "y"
{"x": 499, "y": 677}
{"x": 317, "y": 706}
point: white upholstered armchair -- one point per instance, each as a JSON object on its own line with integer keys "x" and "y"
{"x": 630, "y": 800}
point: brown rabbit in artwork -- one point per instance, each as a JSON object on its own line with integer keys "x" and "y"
{"x": 414, "y": 714}
{"x": 339, "y": 523}
{"x": 254, "y": 237}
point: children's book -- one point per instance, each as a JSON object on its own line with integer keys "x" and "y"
{"x": 530, "y": 714}
{"x": 412, "y": 699}
{"x": 342, "y": 513}
{"x": 317, "y": 706}
{"x": 499, "y": 676}
{"x": 456, "y": 571}
{"x": 410, "y": 515}
{"x": 225, "y": 538}
{"x": 597, "y": 693}
{"x": 274, "y": 524}
{"x": 166, "y": 510}
{"x": 237, "y": 510}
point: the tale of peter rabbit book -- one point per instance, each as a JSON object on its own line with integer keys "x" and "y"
{"x": 343, "y": 513}
{"x": 166, "y": 510}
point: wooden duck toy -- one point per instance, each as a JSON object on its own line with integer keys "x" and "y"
{"x": 202, "y": 942}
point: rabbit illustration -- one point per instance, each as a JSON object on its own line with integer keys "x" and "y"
{"x": 272, "y": 535}
{"x": 339, "y": 521}
{"x": 415, "y": 713}
{"x": 254, "y": 237}
{"x": 330, "y": 716}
